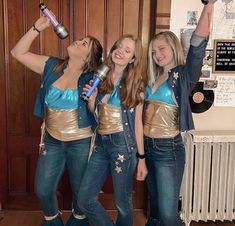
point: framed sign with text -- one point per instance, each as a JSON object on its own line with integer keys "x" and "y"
{"x": 224, "y": 56}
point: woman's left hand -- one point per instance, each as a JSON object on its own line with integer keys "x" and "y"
{"x": 141, "y": 170}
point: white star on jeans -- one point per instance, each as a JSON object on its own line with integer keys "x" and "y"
{"x": 121, "y": 158}
{"x": 118, "y": 169}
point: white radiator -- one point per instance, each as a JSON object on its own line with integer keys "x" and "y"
{"x": 208, "y": 188}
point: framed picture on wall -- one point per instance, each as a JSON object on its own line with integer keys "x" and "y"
{"x": 223, "y": 58}
{"x": 192, "y": 17}
{"x": 208, "y": 59}
{"x": 206, "y": 73}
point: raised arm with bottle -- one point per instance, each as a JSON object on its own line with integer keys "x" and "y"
{"x": 167, "y": 113}
{"x": 66, "y": 140}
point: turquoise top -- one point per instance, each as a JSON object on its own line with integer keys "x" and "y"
{"x": 164, "y": 94}
{"x": 114, "y": 98}
{"x": 58, "y": 99}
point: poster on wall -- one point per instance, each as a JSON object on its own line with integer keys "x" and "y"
{"x": 224, "y": 20}
{"x": 224, "y": 52}
{"x": 192, "y": 18}
{"x": 225, "y": 91}
{"x": 185, "y": 36}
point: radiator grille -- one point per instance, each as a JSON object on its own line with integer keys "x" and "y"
{"x": 208, "y": 188}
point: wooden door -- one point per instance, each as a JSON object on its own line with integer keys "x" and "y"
{"x": 20, "y": 130}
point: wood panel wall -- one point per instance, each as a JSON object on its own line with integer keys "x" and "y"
{"x": 20, "y": 130}
{"x": 163, "y": 14}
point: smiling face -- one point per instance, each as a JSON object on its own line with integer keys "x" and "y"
{"x": 80, "y": 48}
{"x": 162, "y": 53}
{"x": 124, "y": 52}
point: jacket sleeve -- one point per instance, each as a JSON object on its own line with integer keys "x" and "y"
{"x": 194, "y": 60}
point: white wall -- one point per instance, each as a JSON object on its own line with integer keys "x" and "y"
{"x": 216, "y": 118}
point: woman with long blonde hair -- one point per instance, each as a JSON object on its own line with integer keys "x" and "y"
{"x": 167, "y": 113}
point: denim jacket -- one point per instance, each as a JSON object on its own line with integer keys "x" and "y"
{"x": 183, "y": 79}
{"x": 128, "y": 122}
{"x": 85, "y": 117}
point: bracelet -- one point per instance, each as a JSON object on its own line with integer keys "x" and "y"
{"x": 35, "y": 29}
{"x": 138, "y": 155}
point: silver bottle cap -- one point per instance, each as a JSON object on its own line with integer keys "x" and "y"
{"x": 102, "y": 71}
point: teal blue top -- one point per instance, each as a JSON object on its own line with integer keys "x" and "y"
{"x": 114, "y": 98}
{"x": 58, "y": 99}
{"x": 164, "y": 94}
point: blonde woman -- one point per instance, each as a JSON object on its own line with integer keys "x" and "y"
{"x": 167, "y": 113}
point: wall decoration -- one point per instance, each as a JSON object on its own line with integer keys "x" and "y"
{"x": 185, "y": 36}
{"x": 223, "y": 59}
{"x": 192, "y": 17}
{"x": 208, "y": 59}
{"x": 206, "y": 73}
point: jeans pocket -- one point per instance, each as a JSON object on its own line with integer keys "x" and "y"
{"x": 147, "y": 146}
{"x": 118, "y": 140}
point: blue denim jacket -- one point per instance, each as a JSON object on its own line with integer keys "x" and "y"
{"x": 128, "y": 122}
{"x": 85, "y": 117}
{"x": 183, "y": 79}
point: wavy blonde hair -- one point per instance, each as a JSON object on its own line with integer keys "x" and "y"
{"x": 171, "y": 39}
{"x": 133, "y": 81}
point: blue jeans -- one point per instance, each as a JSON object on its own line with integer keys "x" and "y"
{"x": 110, "y": 156}
{"x": 165, "y": 162}
{"x": 57, "y": 156}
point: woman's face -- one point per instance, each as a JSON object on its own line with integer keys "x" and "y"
{"x": 162, "y": 53}
{"x": 124, "y": 53}
{"x": 80, "y": 48}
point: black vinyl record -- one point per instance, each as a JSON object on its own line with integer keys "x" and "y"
{"x": 201, "y": 100}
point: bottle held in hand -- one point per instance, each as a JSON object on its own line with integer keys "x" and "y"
{"x": 99, "y": 76}
{"x": 59, "y": 29}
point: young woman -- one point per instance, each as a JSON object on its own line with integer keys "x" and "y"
{"x": 68, "y": 122}
{"x": 119, "y": 135}
{"x": 167, "y": 113}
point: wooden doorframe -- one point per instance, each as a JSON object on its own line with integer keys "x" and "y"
{"x": 3, "y": 143}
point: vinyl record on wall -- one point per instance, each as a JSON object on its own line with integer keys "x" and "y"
{"x": 201, "y": 100}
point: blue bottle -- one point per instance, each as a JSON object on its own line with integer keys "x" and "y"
{"x": 99, "y": 76}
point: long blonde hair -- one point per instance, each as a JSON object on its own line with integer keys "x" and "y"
{"x": 133, "y": 81}
{"x": 178, "y": 54}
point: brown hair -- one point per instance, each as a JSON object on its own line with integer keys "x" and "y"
{"x": 133, "y": 81}
{"x": 94, "y": 59}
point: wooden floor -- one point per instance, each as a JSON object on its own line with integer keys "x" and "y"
{"x": 34, "y": 218}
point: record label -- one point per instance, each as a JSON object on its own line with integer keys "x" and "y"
{"x": 201, "y": 100}
{"x": 198, "y": 97}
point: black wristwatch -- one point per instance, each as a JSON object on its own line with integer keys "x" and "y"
{"x": 140, "y": 156}
{"x": 205, "y": 2}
